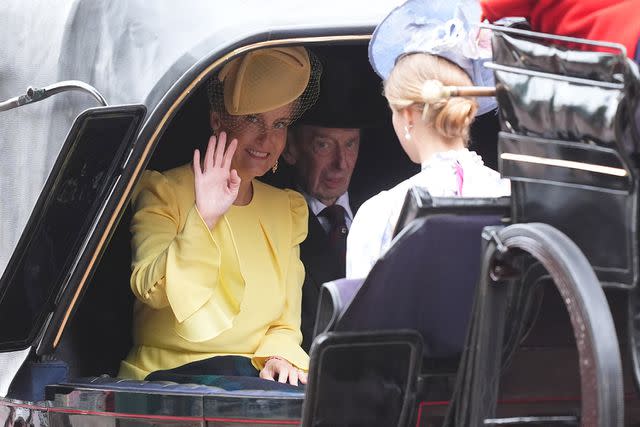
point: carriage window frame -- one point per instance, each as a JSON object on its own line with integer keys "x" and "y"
{"x": 41, "y": 269}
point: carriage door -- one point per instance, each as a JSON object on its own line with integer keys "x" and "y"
{"x": 63, "y": 238}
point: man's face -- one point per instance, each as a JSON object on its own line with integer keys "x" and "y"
{"x": 324, "y": 159}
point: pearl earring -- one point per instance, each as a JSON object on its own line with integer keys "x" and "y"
{"x": 407, "y": 132}
{"x": 275, "y": 167}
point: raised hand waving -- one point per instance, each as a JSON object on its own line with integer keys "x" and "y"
{"x": 215, "y": 185}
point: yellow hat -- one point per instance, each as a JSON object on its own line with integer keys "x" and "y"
{"x": 265, "y": 79}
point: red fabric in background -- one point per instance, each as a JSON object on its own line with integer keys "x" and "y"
{"x": 607, "y": 20}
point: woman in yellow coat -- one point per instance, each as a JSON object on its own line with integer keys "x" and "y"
{"x": 216, "y": 267}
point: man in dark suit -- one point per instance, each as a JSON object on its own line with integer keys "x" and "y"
{"x": 323, "y": 159}
{"x": 321, "y": 153}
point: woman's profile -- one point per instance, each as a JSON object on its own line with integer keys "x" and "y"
{"x": 216, "y": 268}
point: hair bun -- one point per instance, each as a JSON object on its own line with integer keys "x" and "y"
{"x": 454, "y": 119}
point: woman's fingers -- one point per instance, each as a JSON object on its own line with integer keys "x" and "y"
{"x": 228, "y": 155}
{"x": 283, "y": 374}
{"x": 293, "y": 376}
{"x": 216, "y": 155}
{"x": 222, "y": 142}
{"x": 303, "y": 376}
{"x": 267, "y": 374}
{"x": 196, "y": 163}
{"x": 208, "y": 155}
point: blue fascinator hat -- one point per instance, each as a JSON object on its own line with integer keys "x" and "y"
{"x": 447, "y": 28}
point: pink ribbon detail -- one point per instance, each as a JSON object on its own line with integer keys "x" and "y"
{"x": 459, "y": 177}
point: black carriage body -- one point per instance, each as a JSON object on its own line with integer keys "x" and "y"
{"x": 552, "y": 334}
{"x": 86, "y": 268}
{"x": 75, "y": 245}
{"x": 569, "y": 144}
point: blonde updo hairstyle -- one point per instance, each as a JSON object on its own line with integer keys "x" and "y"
{"x": 416, "y": 82}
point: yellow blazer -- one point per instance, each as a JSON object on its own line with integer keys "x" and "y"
{"x": 233, "y": 290}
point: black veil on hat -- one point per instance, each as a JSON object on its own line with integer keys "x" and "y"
{"x": 350, "y": 91}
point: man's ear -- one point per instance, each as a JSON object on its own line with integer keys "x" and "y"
{"x": 290, "y": 152}
{"x": 215, "y": 122}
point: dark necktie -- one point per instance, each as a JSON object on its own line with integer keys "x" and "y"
{"x": 337, "y": 231}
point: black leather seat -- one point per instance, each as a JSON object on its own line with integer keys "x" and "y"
{"x": 426, "y": 282}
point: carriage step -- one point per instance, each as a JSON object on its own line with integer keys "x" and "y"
{"x": 568, "y": 420}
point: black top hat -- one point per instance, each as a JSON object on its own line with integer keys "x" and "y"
{"x": 350, "y": 91}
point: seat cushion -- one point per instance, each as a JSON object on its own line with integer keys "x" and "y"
{"x": 426, "y": 281}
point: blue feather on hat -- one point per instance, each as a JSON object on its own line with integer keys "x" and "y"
{"x": 446, "y": 28}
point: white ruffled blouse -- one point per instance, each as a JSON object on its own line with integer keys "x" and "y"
{"x": 455, "y": 173}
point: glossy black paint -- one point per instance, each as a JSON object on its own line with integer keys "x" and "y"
{"x": 532, "y": 54}
{"x": 539, "y": 106}
{"x": 576, "y": 152}
{"x": 568, "y": 145}
{"x": 553, "y": 118}
{"x": 363, "y": 378}
{"x": 75, "y": 404}
{"x": 45, "y": 266}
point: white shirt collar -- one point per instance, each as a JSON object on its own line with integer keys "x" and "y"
{"x": 463, "y": 155}
{"x": 316, "y": 206}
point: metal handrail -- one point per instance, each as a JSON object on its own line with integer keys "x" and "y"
{"x": 38, "y": 94}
